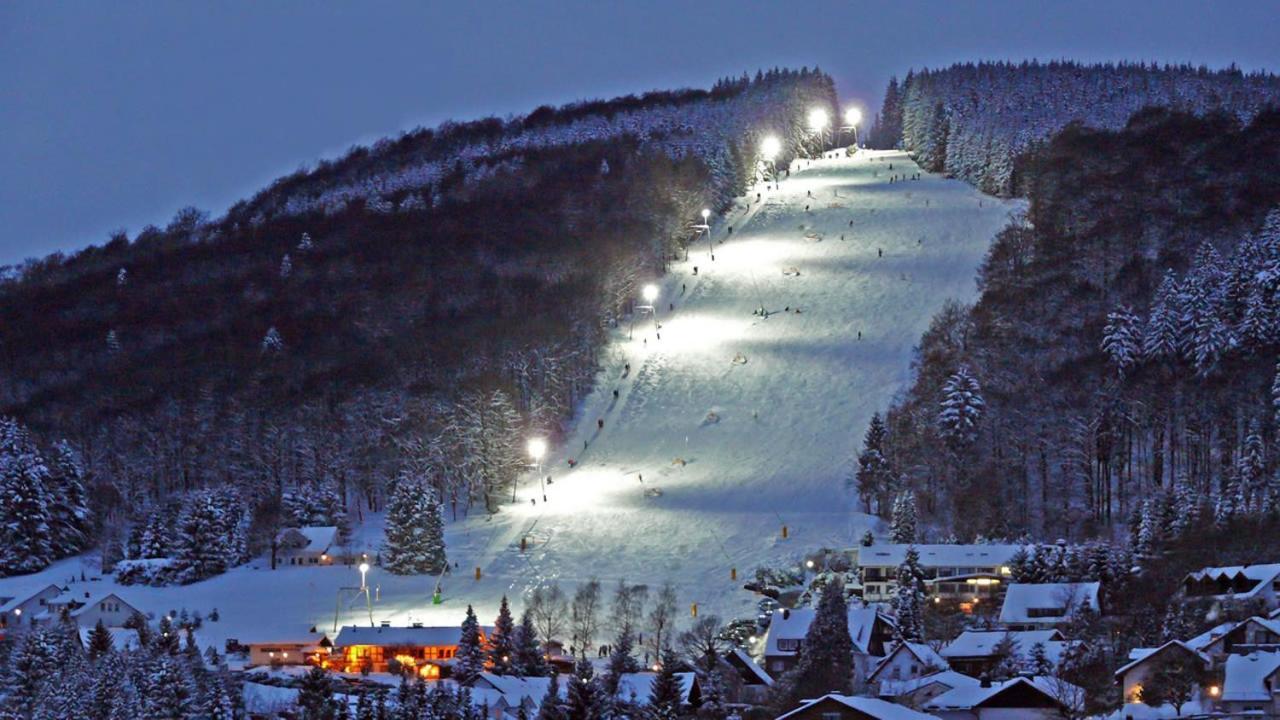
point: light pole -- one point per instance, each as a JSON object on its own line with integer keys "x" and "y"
{"x": 364, "y": 570}
{"x": 538, "y": 448}
{"x": 818, "y": 121}
{"x": 852, "y": 117}
{"x": 769, "y": 150}
{"x": 706, "y": 227}
{"x": 650, "y": 294}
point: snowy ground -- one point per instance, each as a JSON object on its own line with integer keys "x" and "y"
{"x": 729, "y": 452}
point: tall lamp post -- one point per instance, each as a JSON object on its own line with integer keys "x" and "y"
{"x": 650, "y": 294}
{"x": 769, "y": 149}
{"x": 538, "y": 448}
{"x": 818, "y": 122}
{"x": 852, "y": 117}
{"x": 706, "y": 228}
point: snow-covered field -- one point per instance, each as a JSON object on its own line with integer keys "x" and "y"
{"x": 701, "y": 459}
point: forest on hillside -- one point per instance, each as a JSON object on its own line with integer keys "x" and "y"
{"x": 1118, "y": 367}
{"x": 973, "y": 120}
{"x": 409, "y": 312}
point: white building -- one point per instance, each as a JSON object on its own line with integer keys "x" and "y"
{"x": 960, "y": 572}
{"x": 835, "y": 706}
{"x": 1251, "y": 685}
{"x": 1238, "y": 582}
{"x": 1020, "y": 698}
{"x": 1044, "y": 606}
{"x": 86, "y": 608}
{"x": 917, "y": 691}
{"x": 974, "y": 652}
{"x": 25, "y": 606}
{"x": 870, "y": 629}
{"x": 907, "y": 661}
{"x": 306, "y": 545}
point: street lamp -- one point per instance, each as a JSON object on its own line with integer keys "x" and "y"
{"x": 852, "y": 117}
{"x": 650, "y": 294}
{"x": 818, "y": 121}
{"x": 538, "y": 448}
{"x": 769, "y": 149}
{"x": 706, "y": 227}
{"x": 364, "y": 570}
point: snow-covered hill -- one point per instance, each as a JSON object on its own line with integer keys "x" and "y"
{"x": 727, "y": 427}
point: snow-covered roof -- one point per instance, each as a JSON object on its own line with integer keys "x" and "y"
{"x": 1262, "y": 574}
{"x": 516, "y": 688}
{"x": 871, "y": 707}
{"x": 793, "y": 624}
{"x": 1167, "y": 646}
{"x": 927, "y": 656}
{"x": 317, "y": 537}
{"x": 971, "y": 696}
{"x": 939, "y": 555}
{"x": 121, "y": 638}
{"x": 25, "y": 594}
{"x": 947, "y": 678}
{"x": 88, "y": 603}
{"x": 982, "y": 643}
{"x": 1200, "y": 641}
{"x": 641, "y": 684}
{"x": 1244, "y": 676}
{"x": 1021, "y": 598}
{"x": 420, "y": 636}
{"x": 751, "y": 666}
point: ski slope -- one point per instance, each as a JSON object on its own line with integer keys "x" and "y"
{"x": 701, "y": 459}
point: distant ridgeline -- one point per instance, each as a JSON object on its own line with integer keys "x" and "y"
{"x": 973, "y": 120}
{"x": 1119, "y": 365}
{"x": 416, "y": 308}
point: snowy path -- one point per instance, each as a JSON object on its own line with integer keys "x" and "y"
{"x": 789, "y": 419}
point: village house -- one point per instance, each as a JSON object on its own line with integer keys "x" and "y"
{"x": 745, "y": 682}
{"x": 1237, "y": 582}
{"x": 907, "y": 661}
{"x": 1134, "y": 675}
{"x": 1243, "y": 637}
{"x": 964, "y": 573}
{"x": 306, "y": 545}
{"x": 24, "y": 606}
{"x": 302, "y": 649}
{"x": 87, "y": 608}
{"x": 427, "y": 650}
{"x": 975, "y": 652}
{"x": 1038, "y": 698}
{"x": 506, "y": 695}
{"x": 869, "y": 628}
{"x": 1044, "y": 606}
{"x": 848, "y": 707}
{"x": 914, "y": 693}
{"x": 1251, "y": 685}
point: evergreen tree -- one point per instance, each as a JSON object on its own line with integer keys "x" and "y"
{"x": 502, "y": 643}
{"x": 25, "y": 533}
{"x": 826, "y": 656}
{"x": 1160, "y": 340}
{"x": 550, "y": 708}
{"x": 1038, "y": 661}
{"x": 200, "y": 550}
{"x": 167, "y": 691}
{"x": 585, "y": 697}
{"x": 415, "y": 529}
{"x": 1007, "y": 663}
{"x": 529, "y": 660}
{"x": 903, "y": 529}
{"x": 315, "y": 695}
{"x": 873, "y": 476}
{"x": 961, "y": 408}
{"x": 69, "y": 516}
{"x": 666, "y": 695}
{"x": 1122, "y": 339}
{"x": 469, "y": 660}
{"x": 908, "y": 602}
{"x": 99, "y": 641}
{"x": 1251, "y": 469}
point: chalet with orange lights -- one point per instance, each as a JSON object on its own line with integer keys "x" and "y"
{"x": 428, "y": 650}
{"x": 307, "y": 545}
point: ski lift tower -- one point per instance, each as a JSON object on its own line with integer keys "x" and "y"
{"x": 352, "y": 594}
{"x": 650, "y": 294}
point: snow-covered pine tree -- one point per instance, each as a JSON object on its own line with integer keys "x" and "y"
{"x": 286, "y": 267}
{"x": 873, "y": 475}
{"x": 585, "y": 697}
{"x": 1038, "y": 661}
{"x": 961, "y": 408}
{"x": 415, "y": 529}
{"x": 113, "y": 342}
{"x": 1160, "y": 341}
{"x": 26, "y": 538}
{"x": 122, "y": 277}
{"x": 1008, "y": 662}
{"x": 272, "y": 342}
{"x": 502, "y": 642}
{"x": 1205, "y": 335}
{"x": 551, "y": 707}
{"x": 903, "y": 528}
{"x": 908, "y": 601}
{"x": 200, "y": 544}
{"x": 99, "y": 641}
{"x": 1251, "y": 469}
{"x": 1275, "y": 401}
{"x": 826, "y": 659}
{"x": 469, "y": 660}
{"x": 1122, "y": 339}
{"x": 69, "y": 507}
{"x": 666, "y": 696}
{"x": 529, "y": 660}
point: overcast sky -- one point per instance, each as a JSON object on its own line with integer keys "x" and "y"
{"x": 115, "y": 114}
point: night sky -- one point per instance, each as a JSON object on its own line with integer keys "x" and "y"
{"x": 115, "y": 114}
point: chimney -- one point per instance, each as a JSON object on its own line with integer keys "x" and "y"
{"x": 986, "y": 681}
{"x": 785, "y": 613}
